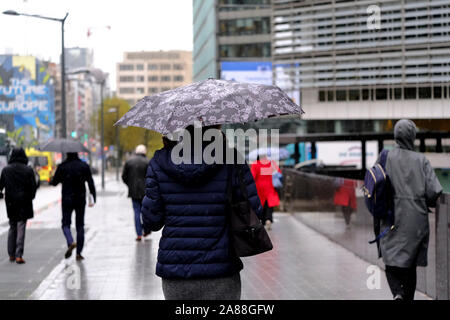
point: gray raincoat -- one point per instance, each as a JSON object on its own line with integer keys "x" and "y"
{"x": 416, "y": 188}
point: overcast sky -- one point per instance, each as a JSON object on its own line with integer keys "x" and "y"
{"x": 135, "y": 25}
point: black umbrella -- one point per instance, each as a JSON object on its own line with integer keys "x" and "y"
{"x": 210, "y": 102}
{"x": 63, "y": 146}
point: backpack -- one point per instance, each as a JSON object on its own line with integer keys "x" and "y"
{"x": 378, "y": 194}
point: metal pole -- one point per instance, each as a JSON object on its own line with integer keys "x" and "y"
{"x": 102, "y": 136}
{"x": 63, "y": 82}
{"x": 117, "y": 145}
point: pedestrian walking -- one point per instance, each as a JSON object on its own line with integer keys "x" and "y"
{"x": 262, "y": 171}
{"x": 133, "y": 175}
{"x": 416, "y": 189}
{"x": 345, "y": 197}
{"x": 195, "y": 259}
{"x": 73, "y": 174}
{"x": 19, "y": 182}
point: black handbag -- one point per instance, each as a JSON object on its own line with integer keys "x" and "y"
{"x": 248, "y": 236}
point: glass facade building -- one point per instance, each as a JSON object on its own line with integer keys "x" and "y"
{"x": 230, "y": 30}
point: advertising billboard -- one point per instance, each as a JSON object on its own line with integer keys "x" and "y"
{"x": 27, "y": 93}
{"x": 259, "y": 72}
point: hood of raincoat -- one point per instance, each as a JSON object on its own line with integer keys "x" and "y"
{"x": 18, "y": 155}
{"x": 184, "y": 173}
{"x": 405, "y": 134}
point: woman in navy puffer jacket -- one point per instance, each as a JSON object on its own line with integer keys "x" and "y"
{"x": 195, "y": 260}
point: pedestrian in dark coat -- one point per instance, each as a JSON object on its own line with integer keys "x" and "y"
{"x": 195, "y": 258}
{"x": 19, "y": 182}
{"x": 416, "y": 189}
{"x": 73, "y": 174}
{"x": 133, "y": 176}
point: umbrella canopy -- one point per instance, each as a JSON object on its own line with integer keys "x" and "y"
{"x": 211, "y": 102}
{"x": 271, "y": 153}
{"x": 63, "y": 146}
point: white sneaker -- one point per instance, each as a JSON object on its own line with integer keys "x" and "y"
{"x": 268, "y": 225}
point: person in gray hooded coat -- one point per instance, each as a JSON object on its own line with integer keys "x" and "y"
{"x": 416, "y": 189}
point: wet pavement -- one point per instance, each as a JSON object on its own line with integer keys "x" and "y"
{"x": 303, "y": 265}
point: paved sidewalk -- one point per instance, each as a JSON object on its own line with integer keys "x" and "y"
{"x": 303, "y": 264}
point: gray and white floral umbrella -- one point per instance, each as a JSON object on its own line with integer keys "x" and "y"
{"x": 211, "y": 102}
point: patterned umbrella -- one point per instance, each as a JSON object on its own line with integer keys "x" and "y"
{"x": 211, "y": 102}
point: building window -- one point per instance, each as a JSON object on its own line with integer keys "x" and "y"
{"x": 165, "y": 67}
{"x": 341, "y": 95}
{"x": 354, "y": 95}
{"x": 152, "y": 90}
{"x": 166, "y": 78}
{"x": 410, "y": 93}
{"x": 397, "y": 93}
{"x": 365, "y": 94}
{"x": 330, "y": 95}
{"x": 425, "y": 93}
{"x": 140, "y": 90}
{"x": 381, "y": 94}
{"x": 152, "y": 66}
{"x": 245, "y": 50}
{"x": 152, "y": 78}
{"x": 178, "y": 78}
{"x": 178, "y": 67}
{"x": 140, "y": 67}
{"x": 126, "y": 79}
{"x": 165, "y": 89}
{"x": 126, "y": 90}
{"x": 140, "y": 78}
{"x": 126, "y": 67}
{"x": 246, "y": 26}
{"x": 321, "y": 95}
{"x": 437, "y": 92}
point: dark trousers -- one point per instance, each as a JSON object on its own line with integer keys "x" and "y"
{"x": 137, "y": 216}
{"x": 267, "y": 213}
{"x": 402, "y": 281}
{"x": 16, "y": 238}
{"x": 347, "y": 212}
{"x": 67, "y": 209}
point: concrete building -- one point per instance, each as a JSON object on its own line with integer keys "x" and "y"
{"x": 149, "y": 72}
{"x": 230, "y": 31}
{"x": 357, "y": 66}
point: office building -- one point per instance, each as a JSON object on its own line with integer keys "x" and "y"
{"x": 149, "y": 72}
{"x": 359, "y": 65}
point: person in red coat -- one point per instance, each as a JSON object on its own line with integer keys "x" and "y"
{"x": 262, "y": 171}
{"x": 345, "y": 197}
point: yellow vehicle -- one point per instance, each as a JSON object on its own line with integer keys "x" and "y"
{"x": 43, "y": 163}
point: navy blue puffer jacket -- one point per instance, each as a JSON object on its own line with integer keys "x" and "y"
{"x": 189, "y": 201}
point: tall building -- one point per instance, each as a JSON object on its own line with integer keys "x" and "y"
{"x": 360, "y": 64}
{"x": 77, "y": 58}
{"x": 231, "y": 36}
{"x": 149, "y": 72}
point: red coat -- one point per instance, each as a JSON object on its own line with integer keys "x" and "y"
{"x": 262, "y": 173}
{"x": 345, "y": 195}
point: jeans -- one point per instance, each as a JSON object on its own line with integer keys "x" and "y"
{"x": 402, "y": 281}
{"x": 67, "y": 209}
{"x": 16, "y": 238}
{"x": 137, "y": 216}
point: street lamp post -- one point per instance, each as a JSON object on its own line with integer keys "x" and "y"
{"x": 63, "y": 66}
{"x": 116, "y": 111}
